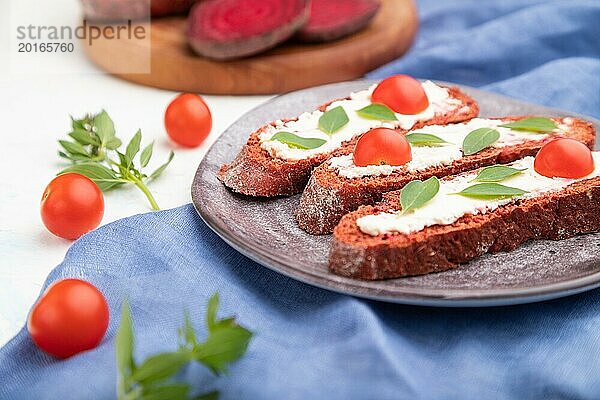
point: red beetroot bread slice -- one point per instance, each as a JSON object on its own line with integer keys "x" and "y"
{"x": 122, "y": 10}
{"x": 329, "y": 196}
{"x": 254, "y": 172}
{"x": 227, "y": 29}
{"x": 554, "y": 215}
{"x": 333, "y": 19}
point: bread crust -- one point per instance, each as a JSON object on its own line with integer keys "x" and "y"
{"x": 558, "y": 215}
{"x": 328, "y": 196}
{"x": 255, "y": 173}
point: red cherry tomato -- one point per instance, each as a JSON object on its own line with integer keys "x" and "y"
{"x": 401, "y": 93}
{"x": 72, "y": 205}
{"x": 382, "y": 146}
{"x": 188, "y": 120}
{"x": 70, "y": 317}
{"x": 564, "y": 158}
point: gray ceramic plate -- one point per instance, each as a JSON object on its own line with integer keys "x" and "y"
{"x": 264, "y": 229}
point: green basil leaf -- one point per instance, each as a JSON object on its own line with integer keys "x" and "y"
{"x": 211, "y": 315}
{"x": 417, "y": 193}
{"x": 497, "y": 173}
{"x": 122, "y": 159}
{"x": 161, "y": 169}
{"x": 533, "y": 124}
{"x": 73, "y": 157}
{"x": 78, "y": 123}
{"x": 225, "y": 322}
{"x": 113, "y": 143}
{"x": 171, "y": 391}
{"x": 222, "y": 347}
{"x": 124, "y": 349}
{"x": 146, "y": 155}
{"x": 187, "y": 332}
{"x": 133, "y": 147}
{"x": 211, "y": 311}
{"x": 333, "y": 120}
{"x": 208, "y": 396}
{"x": 424, "y": 139}
{"x": 160, "y": 367}
{"x": 105, "y": 128}
{"x": 73, "y": 148}
{"x": 104, "y": 177}
{"x": 377, "y": 111}
{"x": 491, "y": 191}
{"x": 83, "y": 137}
{"x": 479, "y": 139}
{"x": 226, "y": 342}
{"x": 298, "y": 142}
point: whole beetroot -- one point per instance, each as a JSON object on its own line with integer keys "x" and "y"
{"x": 160, "y": 8}
{"x": 123, "y": 10}
{"x": 334, "y": 19}
{"x": 227, "y": 29}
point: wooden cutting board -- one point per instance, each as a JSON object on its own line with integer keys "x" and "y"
{"x": 288, "y": 67}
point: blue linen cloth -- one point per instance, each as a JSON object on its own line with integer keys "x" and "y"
{"x": 314, "y": 344}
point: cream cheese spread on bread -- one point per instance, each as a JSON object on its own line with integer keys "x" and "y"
{"x": 447, "y": 207}
{"x": 424, "y": 157}
{"x": 307, "y": 124}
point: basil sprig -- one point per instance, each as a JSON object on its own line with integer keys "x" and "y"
{"x": 94, "y": 152}
{"x": 479, "y": 139}
{"x": 424, "y": 139}
{"x": 152, "y": 379}
{"x": 497, "y": 173}
{"x": 491, "y": 191}
{"x": 416, "y": 193}
{"x": 533, "y": 124}
{"x": 333, "y": 120}
{"x": 298, "y": 142}
{"x": 377, "y": 111}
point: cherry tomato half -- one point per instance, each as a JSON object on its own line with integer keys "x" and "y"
{"x": 188, "y": 120}
{"x": 402, "y": 93}
{"x": 72, "y": 205}
{"x": 564, "y": 158}
{"x": 70, "y": 317}
{"x": 382, "y": 146}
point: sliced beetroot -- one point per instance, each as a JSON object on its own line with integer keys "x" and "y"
{"x": 122, "y": 10}
{"x": 227, "y": 29}
{"x": 160, "y": 8}
{"x": 334, "y": 19}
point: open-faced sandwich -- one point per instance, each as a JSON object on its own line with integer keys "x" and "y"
{"x": 278, "y": 158}
{"x": 434, "y": 225}
{"x": 384, "y": 160}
